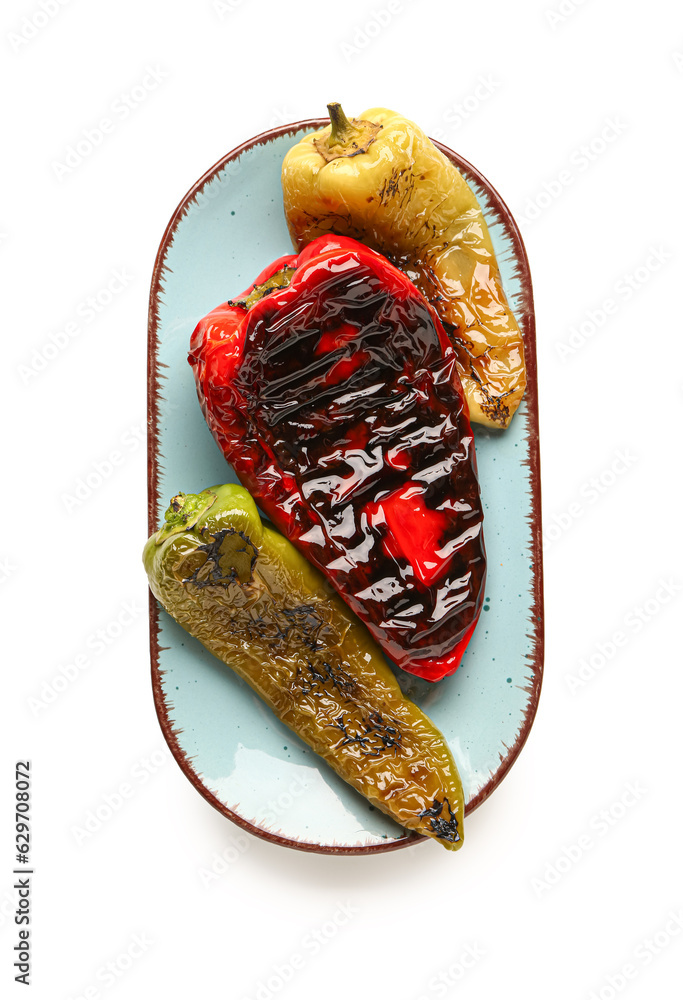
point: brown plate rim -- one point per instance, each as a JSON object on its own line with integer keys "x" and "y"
{"x": 496, "y": 206}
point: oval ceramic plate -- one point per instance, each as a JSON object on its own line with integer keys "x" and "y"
{"x": 231, "y": 747}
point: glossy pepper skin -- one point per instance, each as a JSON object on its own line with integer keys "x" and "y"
{"x": 253, "y": 601}
{"x": 331, "y": 388}
{"x": 381, "y": 180}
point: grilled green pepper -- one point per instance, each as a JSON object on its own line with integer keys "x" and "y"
{"x": 255, "y": 602}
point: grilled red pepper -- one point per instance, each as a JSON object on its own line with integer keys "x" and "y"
{"x": 331, "y": 387}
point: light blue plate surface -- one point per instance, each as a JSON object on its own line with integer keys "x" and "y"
{"x": 229, "y": 744}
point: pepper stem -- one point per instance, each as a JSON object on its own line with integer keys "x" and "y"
{"x": 276, "y": 281}
{"x": 183, "y": 513}
{"x": 341, "y": 126}
{"x": 347, "y": 136}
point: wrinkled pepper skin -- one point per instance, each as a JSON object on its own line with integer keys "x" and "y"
{"x": 395, "y": 191}
{"x": 331, "y": 388}
{"x": 253, "y": 601}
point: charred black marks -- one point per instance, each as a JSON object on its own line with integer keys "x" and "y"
{"x": 322, "y": 676}
{"x": 210, "y": 574}
{"x": 373, "y": 735}
{"x": 393, "y": 184}
{"x": 286, "y": 628}
{"x": 442, "y": 827}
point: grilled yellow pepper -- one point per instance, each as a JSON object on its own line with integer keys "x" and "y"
{"x": 255, "y": 602}
{"x": 381, "y": 180}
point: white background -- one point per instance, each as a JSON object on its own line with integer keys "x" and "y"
{"x": 571, "y": 871}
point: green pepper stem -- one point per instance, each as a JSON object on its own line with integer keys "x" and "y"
{"x": 341, "y": 126}
{"x": 347, "y": 137}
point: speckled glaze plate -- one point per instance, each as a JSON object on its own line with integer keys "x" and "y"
{"x": 248, "y": 765}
